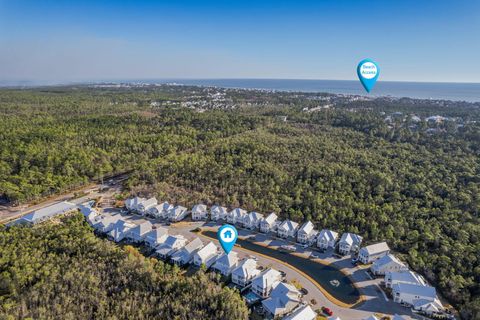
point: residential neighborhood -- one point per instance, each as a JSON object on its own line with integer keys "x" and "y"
{"x": 265, "y": 288}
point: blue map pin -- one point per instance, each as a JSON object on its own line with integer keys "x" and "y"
{"x": 368, "y": 72}
{"x": 227, "y": 235}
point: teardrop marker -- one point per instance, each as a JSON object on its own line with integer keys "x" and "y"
{"x": 227, "y": 235}
{"x": 368, "y": 72}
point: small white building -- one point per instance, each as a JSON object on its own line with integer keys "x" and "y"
{"x": 252, "y": 220}
{"x": 132, "y": 203}
{"x": 245, "y": 272}
{"x": 120, "y": 230}
{"x": 236, "y": 216}
{"x": 206, "y": 256}
{"x": 137, "y": 233}
{"x": 269, "y": 223}
{"x": 146, "y": 205}
{"x": 218, "y": 213}
{"x": 226, "y": 263}
{"x": 306, "y": 233}
{"x": 263, "y": 284}
{"x": 170, "y": 246}
{"x": 327, "y": 239}
{"x": 160, "y": 210}
{"x": 349, "y": 242}
{"x": 283, "y": 299}
{"x": 287, "y": 228}
{"x": 303, "y": 312}
{"x": 177, "y": 214}
{"x": 429, "y": 307}
{"x": 91, "y": 214}
{"x": 388, "y": 263}
{"x": 185, "y": 255}
{"x": 156, "y": 237}
{"x": 199, "y": 212}
{"x": 410, "y": 293}
{"x": 393, "y": 278}
{"x": 373, "y": 252}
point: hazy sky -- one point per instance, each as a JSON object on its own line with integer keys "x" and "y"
{"x": 98, "y": 40}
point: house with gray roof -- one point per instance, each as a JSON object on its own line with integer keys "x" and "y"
{"x": 178, "y": 213}
{"x": 287, "y": 228}
{"x": 185, "y": 255}
{"x": 327, "y": 239}
{"x": 226, "y": 263}
{"x": 218, "y": 213}
{"x": 156, "y": 237}
{"x": 170, "y": 246}
{"x": 199, "y": 212}
{"x": 252, "y": 220}
{"x": 373, "y": 252}
{"x": 269, "y": 223}
{"x": 349, "y": 242}
{"x": 306, "y": 233}
{"x": 160, "y": 210}
{"x": 245, "y": 272}
{"x": 137, "y": 233}
{"x": 263, "y": 284}
{"x": 283, "y": 299}
{"x": 119, "y": 230}
{"x": 387, "y": 263}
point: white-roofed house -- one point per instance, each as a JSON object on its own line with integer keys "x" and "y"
{"x": 226, "y": 263}
{"x": 106, "y": 223}
{"x": 283, "y": 299}
{"x": 146, "y": 205}
{"x": 170, "y": 246}
{"x": 306, "y": 233}
{"x": 206, "y": 256}
{"x": 263, "y": 284}
{"x": 120, "y": 230}
{"x": 327, "y": 239}
{"x": 245, "y": 272}
{"x": 160, "y": 210}
{"x": 302, "y": 312}
{"x": 373, "y": 252}
{"x": 46, "y": 213}
{"x": 392, "y": 278}
{"x": 185, "y": 255}
{"x": 91, "y": 214}
{"x": 429, "y": 307}
{"x": 252, "y": 220}
{"x": 349, "y": 242}
{"x": 177, "y": 214}
{"x": 218, "y": 213}
{"x": 137, "y": 234}
{"x": 388, "y": 263}
{"x": 132, "y": 203}
{"x": 269, "y": 223}
{"x": 199, "y": 212}
{"x": 236, "y": 216}
{"x": 156, "y": 237}
{"x": 287, "y": 228}
{"x": 410, "y": 293}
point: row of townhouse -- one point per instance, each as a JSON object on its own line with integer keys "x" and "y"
{"x": 151, "y": 207}
{"x": 305, "y": 233}
{"x": 407, "y": 287}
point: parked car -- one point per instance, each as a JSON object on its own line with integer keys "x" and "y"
{"x": 327, "y": 311}
{"x": 304, "y": 291}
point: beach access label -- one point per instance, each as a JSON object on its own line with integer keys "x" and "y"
{"x": 368, "y": 72}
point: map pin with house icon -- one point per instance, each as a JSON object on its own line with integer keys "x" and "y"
{"x": 227, "y": 235}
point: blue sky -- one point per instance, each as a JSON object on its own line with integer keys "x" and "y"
{"x": 94, "y": 40}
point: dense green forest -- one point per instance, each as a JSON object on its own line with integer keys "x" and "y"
{"x": 63, "y": 271}
{"x": 413, "y": 184}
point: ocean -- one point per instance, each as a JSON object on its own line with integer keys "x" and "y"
{"x": 422, "y": 90}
